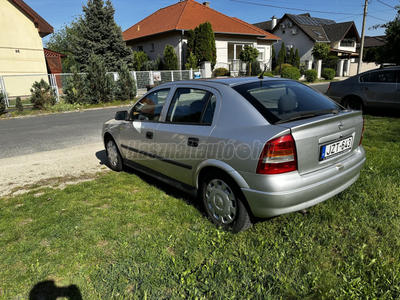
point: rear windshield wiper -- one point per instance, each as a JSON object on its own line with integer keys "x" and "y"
{"x": 309, "y": 114}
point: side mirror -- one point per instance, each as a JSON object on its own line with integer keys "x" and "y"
{"x": 121, "y": 115}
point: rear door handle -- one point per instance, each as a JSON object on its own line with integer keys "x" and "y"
{"x": 365, "y": 88}
{"x": 149, "y": 135}
{"x": 193, "y": 142}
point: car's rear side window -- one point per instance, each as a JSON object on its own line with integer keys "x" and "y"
{"x": 281, "y": 100}
{"x": 194, "y": 106}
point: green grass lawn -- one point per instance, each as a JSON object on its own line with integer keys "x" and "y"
{"x": 124, "y": 236}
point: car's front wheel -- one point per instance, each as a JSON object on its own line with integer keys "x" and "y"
{"x": 223, "y": 202}
{"x": 113, "y": 155}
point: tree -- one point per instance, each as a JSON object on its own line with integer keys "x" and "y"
{"x": 296, "y": 59}
{"x": 100, "y": 84}
{"x": 281, "y": 55}
{"x": 64, "y": 41}
{"x": 125, "y": 86}
{"x": 291, "y": 56}
{"x": 248, "y": 55}
{"x": 320, "y": 51}
{"x": 170, "y": 58}
{"x": 191, "y": 62}
{"x": 101, "y": 36}
{"x": 204, "y": 46}
{"x": 139, "y": 59}
{"x": 389, "y": 52}
{"x": 75, "y": 90}
{"x": 273, "y": 58}
{"x": 190, "y": 42}
{"x": 42, "y": 95}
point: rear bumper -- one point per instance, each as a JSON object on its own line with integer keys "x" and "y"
{"x": 273, "y": 195}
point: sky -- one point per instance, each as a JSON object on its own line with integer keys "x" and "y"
{"x": 128, "y": 12}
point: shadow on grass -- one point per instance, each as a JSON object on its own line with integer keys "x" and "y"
{"x": 380, "y": 112}
{"x": 49, "y": 291}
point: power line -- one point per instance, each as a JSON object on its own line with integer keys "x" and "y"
{"x": 290, "y": 8}
{"x": 377, "y": 18}
{"x": 386, "y": 4}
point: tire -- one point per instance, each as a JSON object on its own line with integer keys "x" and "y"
{"x": 113, "y": 156}
{"x": 223, "y": 202}
{"x": 354, "y": 103}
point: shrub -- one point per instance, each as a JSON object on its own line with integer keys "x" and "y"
{"x": 2, "y": 103}
{"x": 191, "y": 61}
{"x": 221, "y": 72}
{"x": 331, "y": 61}
{"x": 311, "y": 75}
{"x": 100, "y": 84}
{"x": 268, "y": 74}
{"x": 328, "y": 73}
{"x": 280, "y": 68}
{"x": 291, "y": 73}
{"x": 75, "y": 90}
{"x": 18, "y": 104}
{"x": 255, "y": 68}
{"x": 42, "y": 95}
{"x": 125, "y": 86}
{"x": 170, "y": 58}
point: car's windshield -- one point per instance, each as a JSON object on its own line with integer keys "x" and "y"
{"x": 280, "y": 101}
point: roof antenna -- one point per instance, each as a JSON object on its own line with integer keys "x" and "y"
{"x": 262, "y": 74}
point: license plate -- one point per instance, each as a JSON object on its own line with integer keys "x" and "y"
{"x": 336, "y": 148}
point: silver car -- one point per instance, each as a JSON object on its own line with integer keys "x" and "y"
{"x": 379, "y": 88}
{"x": 247, "y": 147}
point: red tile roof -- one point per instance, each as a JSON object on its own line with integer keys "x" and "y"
{"x": 44, "y": 28}
{"x": 187, "y": 15}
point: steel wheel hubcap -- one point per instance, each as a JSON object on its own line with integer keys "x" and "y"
{"x": 221, "y": 201}
{"x": 112, "y": 153}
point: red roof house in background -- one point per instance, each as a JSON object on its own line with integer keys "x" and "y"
{"x": 170, "y": 25}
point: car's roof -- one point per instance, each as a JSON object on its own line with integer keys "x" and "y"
{"x": 229, "y": 81}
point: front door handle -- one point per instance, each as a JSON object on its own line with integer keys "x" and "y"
{"x": 193, "y": 142}
{"x": 365, "y": 88}
{"x": 149, "y": 135}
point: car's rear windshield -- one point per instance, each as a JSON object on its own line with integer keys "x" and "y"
{"x": 285, "y": 100}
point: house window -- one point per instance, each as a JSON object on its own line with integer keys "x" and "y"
{"x": 139, "y": 48}
{"x": 261, "y": 53}
{"x": 347, "y": 43}
{"x": 152, "y": 49}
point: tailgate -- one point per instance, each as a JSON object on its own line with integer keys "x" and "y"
{"x": 326, "y": 140}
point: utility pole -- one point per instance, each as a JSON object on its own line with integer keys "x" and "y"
{"x": 362, "y": 37}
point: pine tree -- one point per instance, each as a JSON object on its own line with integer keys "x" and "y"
{"x": 273, "y": 57}
{"x": 205, "y": 49}
{"x": 125, "y": 86}
{"x": 282, "y": 55}
{"x": 170, "y": 58}
{"x": 100, "y": 84}
{"x": 291, "y": 57}
{"x": 296, "y": 59}
{"x": 2, "y": 103}
{"x": 101, "y": 36}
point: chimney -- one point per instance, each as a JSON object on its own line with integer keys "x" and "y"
{"x": 273, "y": 23}
{"x": 207, "y": 3}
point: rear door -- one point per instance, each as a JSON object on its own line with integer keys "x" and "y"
{"x": 182, "y": 139}
{"x": 381, "y": 88}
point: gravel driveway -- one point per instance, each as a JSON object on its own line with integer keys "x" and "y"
{"x": 71, "y": 164}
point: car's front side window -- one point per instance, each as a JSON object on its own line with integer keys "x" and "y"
{"x": 192, "y": 106}
{"x": 149, "y": 108}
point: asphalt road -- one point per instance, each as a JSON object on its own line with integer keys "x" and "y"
{"x": 22, "y": 136}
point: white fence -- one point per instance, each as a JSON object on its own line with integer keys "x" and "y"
{"x": 13, "y": 86}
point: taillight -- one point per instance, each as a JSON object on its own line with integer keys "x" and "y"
{"x": 362, "y": 134}
{"x": 278, "y": 156}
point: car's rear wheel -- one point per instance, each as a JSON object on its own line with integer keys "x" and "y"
{"x": 113, "y": 155}
{"x": 223, "y": 202}
{"x": 354, "y": 103}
